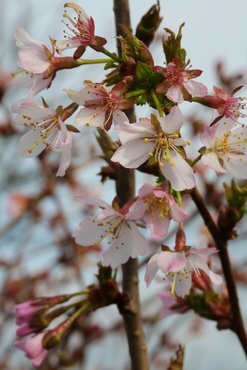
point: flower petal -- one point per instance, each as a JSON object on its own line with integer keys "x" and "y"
{"x": 173, "y": 121}
{"x": 211, "y": 160}
{"x": 91, "y": 117}
{"x": 159, "y": 226}
{"x": 171, "y": 261}
{"x": 180, "y": 174}
{"x": 90, "y": 231}
{"x": 133, "y": 131}
{"x": 152, "y": 269}
{"x": 195, "y": 88}
{"x": 133, "y": 153}
{"x": 174, "y": 93}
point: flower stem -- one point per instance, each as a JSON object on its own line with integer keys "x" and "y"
{"x": 157, "y": 103}
{"x": 80, "y": 62}
{"x": 111, "y": 55}
{"x": 197, "y": 159}
{"x": 135, "y": 93}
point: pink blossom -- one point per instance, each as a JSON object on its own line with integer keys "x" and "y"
{"x": 25, "y": 311}
{"x": 179, "y": 266}
{"x": 101, "y": 105}
{"x": 158, "y": 139}
{"x": 178, "y": 84}
{"x": 33, "y": 348}
{"x": 156, "y": 207}
{"x": 231, "y": 106}
{"x": 47, "y": 131}
{"x": 125, "y": 240}
{"x": 226, "y": 148}
{"x": 80, "y": 32}
{"x": 34, "y": 58}
{"x": 17, "y": 204}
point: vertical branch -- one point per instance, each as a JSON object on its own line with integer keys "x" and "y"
{"x": 221, "y": 242}
{"x": 125, "y": 186}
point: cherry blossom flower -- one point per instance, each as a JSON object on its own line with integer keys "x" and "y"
{"x": 33, "y": 348}
{"x": 100, "y": 104}
{"x": 226, "y": 148}
{"x": 81, "y": 32}
{"x": 157, "y": 138}
{"x": 179, "y": 266}
{"x": 231, "y": 106}
{"x": 171, "y": 304}
{"x": 125, "y": 240}
{"x": 178, "y": 84}
{"x": 156, "y": 207}
{"x": 18, "y": 203}
{"x": 34, "y": 58}
{"x": 47, "y": 131}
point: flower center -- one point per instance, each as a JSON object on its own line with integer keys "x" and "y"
{"x": 162, "y": 145}
{"x": 232, "y": 143}
{"x": 157, "y": 205}
{"x": 46, "y": 129}
{"x": 174, "y": 76}
{"x": 234, "y": 106}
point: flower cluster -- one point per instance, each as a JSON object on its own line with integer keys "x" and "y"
{"x": 154, "y": 144}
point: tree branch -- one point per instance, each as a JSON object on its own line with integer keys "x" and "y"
{"x": 125, "y": 185}
{"x": 221, "y": 242}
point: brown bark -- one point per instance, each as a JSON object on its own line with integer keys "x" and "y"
{"x": 125, "y": 185}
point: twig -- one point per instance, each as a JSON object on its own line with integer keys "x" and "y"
{"x": 125, "y": 185}
{"x": 221, "y": 243}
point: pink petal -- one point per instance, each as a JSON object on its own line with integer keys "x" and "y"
{"x": 90, "y": 232}
{"x": 39, "y": 84}
{"x": 69, "y": 43}
{"x": 173, "y": 121}
{"x": 133, "y": 153}
{"x": 211, "y": 160}
{"x": 201, "y": 263}
{"x": 177, "y": 213}
{"x": 119, "y": 116}
{"x": 171, "y": 261}
{"x": 128, "y": 132}
{"x": 159, "y": 226}
{"x": 152, "y": 269}
{"x": 196, "y": 89}
{"x": 91, "y": 117}
{"x": 145, "y": 190}
{"x": 36, "y": 362}
{"x": 236, "y": 165}
{"x": 31, "y": 145}
{"x": 183, "y": 285}
{"x": 33, "y": 60}
{"x": 180, "y": 175}
{"x": 174, "y": 93}
{"x": 137, "y": 210}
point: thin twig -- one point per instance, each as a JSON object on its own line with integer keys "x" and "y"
{"x": 221, "y": 243}
{"x": 125, "y": 185}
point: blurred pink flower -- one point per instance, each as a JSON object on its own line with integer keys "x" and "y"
{"x": 47, "y": 131}
{"x": 231, "y": 106}
{"x": 33, "y": 348}
{"x": 226, "y": 148}
{"x": 17, "y": 204}
{"x": 156, "y": 207}
{"x": 143, "y": 139}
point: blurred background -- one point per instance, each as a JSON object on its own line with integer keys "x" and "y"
{"x": 38, "y": 211}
